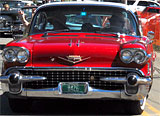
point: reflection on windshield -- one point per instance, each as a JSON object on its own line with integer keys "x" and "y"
{"x": 85, "y": 19}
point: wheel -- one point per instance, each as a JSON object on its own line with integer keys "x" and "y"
{"x": 135, "y": 107}
{"x": 20, "y": 105}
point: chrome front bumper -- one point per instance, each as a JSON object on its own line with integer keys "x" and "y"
{"x": 142, "y": 83}
{"x": 91, "y": 94}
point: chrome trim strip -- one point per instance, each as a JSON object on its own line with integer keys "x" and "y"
{"x": 5, "y": 79}
{"x": 114, "y": 79}
{"x": 75, "y": 69}
{"x": 57, "y": 89}
{"x": 123, "y": 80}
{"x": 70, "y": 44}
{"x": 149, "y": 65}
{"x": 91, "y": 94}
{"x": 144, "y": 80}
{"x": 31, "y": 78}
{"x": 78, "y": 44}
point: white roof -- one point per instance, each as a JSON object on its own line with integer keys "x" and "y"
{"x": 96, "y": 3}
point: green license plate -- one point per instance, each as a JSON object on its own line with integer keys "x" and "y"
{"x": 73, "y": 88}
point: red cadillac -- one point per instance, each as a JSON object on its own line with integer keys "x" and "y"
{"x": 80, "y": 50}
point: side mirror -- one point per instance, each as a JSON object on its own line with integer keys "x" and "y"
{"x": 150, "y": 35}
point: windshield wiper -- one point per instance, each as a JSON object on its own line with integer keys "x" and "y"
{"x": 56, "y": 31}
{"x": 117, "y": 34}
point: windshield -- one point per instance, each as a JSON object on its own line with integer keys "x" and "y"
{"x": 92, "y": 19}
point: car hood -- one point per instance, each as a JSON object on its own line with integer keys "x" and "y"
{"x": 84, "y": 50}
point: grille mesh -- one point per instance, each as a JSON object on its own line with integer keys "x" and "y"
{"x": 92, "y": 77}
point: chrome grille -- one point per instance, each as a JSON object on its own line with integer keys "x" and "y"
{"x": 54, "y": 77}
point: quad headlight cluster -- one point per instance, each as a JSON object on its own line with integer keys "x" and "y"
{"x": 139, "y": 56}
{"x": 13, "y": 54}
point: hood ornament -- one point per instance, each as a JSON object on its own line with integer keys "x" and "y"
{"x": 73, "y": 58}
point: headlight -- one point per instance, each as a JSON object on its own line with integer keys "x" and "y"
{"x": 139, "y": 57}
{"x": 10, "y": 55}
{"x": 22, "y": 56}
{"x": 13, "y": 54}
{"x": 126, "y": 56}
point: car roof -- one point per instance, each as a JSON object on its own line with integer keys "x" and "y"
{"x": 88, "y": 3}
{"x": 144, "y": 0}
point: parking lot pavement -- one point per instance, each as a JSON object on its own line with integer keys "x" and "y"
{"x": 157, "y": 65}
{"x": 0, "y": 71}
{"x": 4, "y": 41}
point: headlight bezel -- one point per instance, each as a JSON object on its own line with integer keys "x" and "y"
{"x": 143, "y": 59}
{"x": 8, "y": 59}
{"x": 131, "y": 57}
{"x": 27, "y": 55}
{"x": 133, "y": 52}
{"x": 16, "y": 52}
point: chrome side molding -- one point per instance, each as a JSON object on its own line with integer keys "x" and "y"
{"x": 124, "y": 80}
{"x": 20, "y": 78}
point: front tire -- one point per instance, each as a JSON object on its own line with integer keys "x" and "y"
{"x": 20, "y": 105}
{"x": 135, "y": 107}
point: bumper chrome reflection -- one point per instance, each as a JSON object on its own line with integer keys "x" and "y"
{"x": 91, "y": 94}
{"x": 123, "y": 80}
{"x": 5, "y": 79}
{"x": 143, "y": 84}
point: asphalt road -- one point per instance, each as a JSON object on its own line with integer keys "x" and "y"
{"x": 85, "y": 107}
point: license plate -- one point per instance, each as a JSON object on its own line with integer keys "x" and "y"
{"x": 73, "y": 88}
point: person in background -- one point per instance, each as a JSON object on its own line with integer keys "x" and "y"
{"x": 116, "y": 24}
{"x": 6, "y": 7}
{"x": 58, "y": 21}
{"x": 23, "y": 18}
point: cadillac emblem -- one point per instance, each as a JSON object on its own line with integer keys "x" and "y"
{"x": 73, "y": 58}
